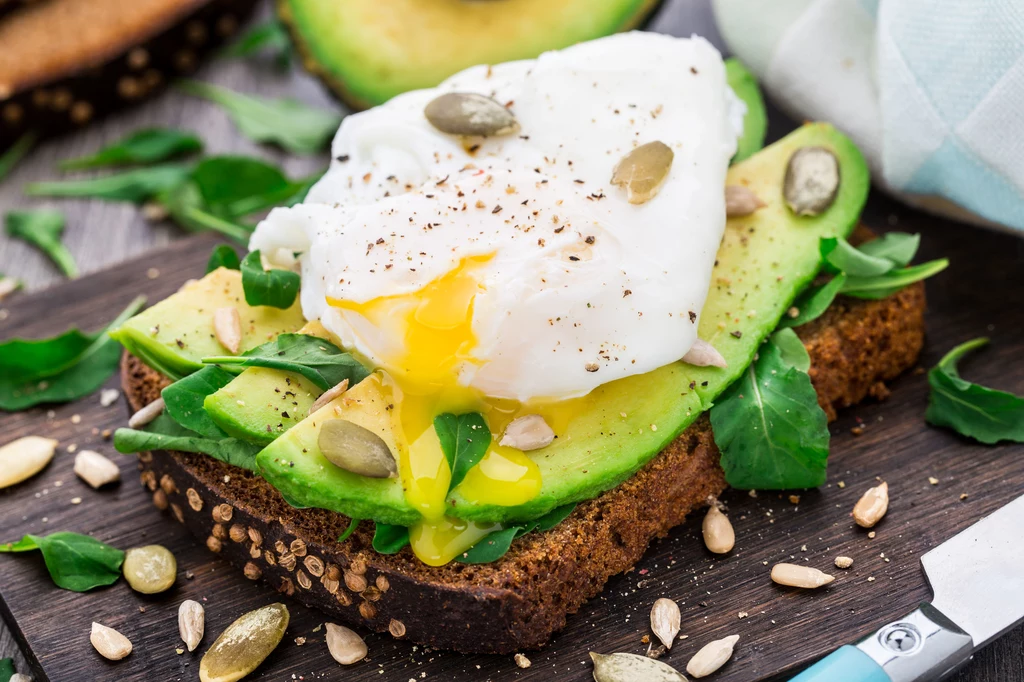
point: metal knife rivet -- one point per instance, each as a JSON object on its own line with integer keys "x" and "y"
{"x": 903, "y": 639}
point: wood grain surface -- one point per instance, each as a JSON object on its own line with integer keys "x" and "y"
{"x": 982, "y": 293}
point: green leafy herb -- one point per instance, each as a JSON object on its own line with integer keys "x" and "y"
{"x": 76, "y": 562}
{"x": 464, "y": 441}
{"x": 844, "y": 257}
{"x": 352, "y": 525}
{"x": 768, "y": 425}
{"x": 184, "y": 400}
{"x": 235, "y": 186}
{"x": 147, "y": 146}
{"x": 317, "y": 359}
{"x": 163, "y": 433}
{"x": 897, "y": 247}
{"x": 223, "y": 256}
{"x": 43, "y": 229}
{"x": 292, "y": 125}
{"x": 496, "y": 544}
{"x": 136, "y": 185}
{"x": 814, "y": 301}
{"x": 269, "y": 35}
{"x": 984, "y": 414}
{"x": 16, "y": 152}
{"x": 388, "y": 539}
{"x": 276, "y": 288}
{"x": 6, "y": 669}
{"x": 185, "y": 204}
{"x": 875, "y": 288}
{"x": 61, "y": 368}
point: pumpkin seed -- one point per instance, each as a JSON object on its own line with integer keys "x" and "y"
{"x": 346, "y": 646}
{"x": 22, "y": 459}
{"x": 871, "y": 507}
{"x": 665, "y": 619}
{"x": 529, "y": 432}
{"x": 110, "y": 643}
{"x": 800, "y": 576}
{"x": 146, "y": 414}
{"x": 712, "y": 656}
{"x": 95, "y": 469}
{"x": 740, "y": 201}
{"x": 244, "y": 644}
{"x": 703, "y": 354}
{"x": 150, "y": 570}
{"x": 329, "y": 395}
{"x": 719, "y": 537}
{"x": 191, "y": 623}
{"x": 356, "y": 449}
{"x": 643, "y": 171}
{"x": 227, "y": 327}
{"x": 632, "y": 668}
{"x": 467, "y": 113}
{"x": 812, "y": 180}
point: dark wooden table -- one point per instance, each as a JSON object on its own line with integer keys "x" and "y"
{"x": 102, "y": 234}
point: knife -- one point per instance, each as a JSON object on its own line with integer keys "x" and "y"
{"x": 977, "y": 578}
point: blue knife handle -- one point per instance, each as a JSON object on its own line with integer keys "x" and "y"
{"x": 846, "y": 664}
{"x": 923, "y": 645}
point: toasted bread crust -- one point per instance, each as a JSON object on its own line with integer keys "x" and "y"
{"x": 519, "y": 601}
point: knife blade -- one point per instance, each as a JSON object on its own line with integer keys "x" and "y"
{"x": 977, "y": 579}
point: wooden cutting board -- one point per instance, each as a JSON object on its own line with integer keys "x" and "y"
{"x": 780, "y": 629}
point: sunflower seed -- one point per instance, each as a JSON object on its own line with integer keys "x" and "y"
{"x": 109, "y": 396}
{"x": 244, "y": 644}
{"x": 329, "y": 395}
{"x": 800, "y": 576}
{"x": 665, "y": 618}
{"x": 632, "y": 668}
{"x": 740, "y": 201}
{"x": 356, "y": 449}
{"x": 22, "y": 459}
{"x": 812, "y": 180}
{"x": 191, "y": 623}
{"x": 110, "y": 643}
{"x": 18, "y": 677}
{"x": 642, "y": 171}
{"x": 346, "y": 646}
{"x": 146, "y": 414}
{"x": 529, "y": 432}
{"x": 703, "y": 354}
{"x": 871, "y": 507}
{"x": 227, "y": 326}
{"x": 150, "y": 570}
{"x": 467, "y": 113}
{"x": 712, "y": 656}
{"x": 95, "y": 469}
{"x": 719, "y": 537}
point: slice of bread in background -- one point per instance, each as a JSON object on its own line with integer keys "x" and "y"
{"x": 519, "y": 601}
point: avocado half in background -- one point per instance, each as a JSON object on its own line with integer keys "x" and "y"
{"x": 63, "y": 63}
{"x": 368, "y": 51}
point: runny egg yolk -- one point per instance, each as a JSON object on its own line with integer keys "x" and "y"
{"x": 435, "y": 324}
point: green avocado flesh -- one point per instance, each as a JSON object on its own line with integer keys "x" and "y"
{"x": 368, "y": 51}
{"x": 764, "y": 261}
{"x": 755, "y": 122}
{"x": 175, "y": 334}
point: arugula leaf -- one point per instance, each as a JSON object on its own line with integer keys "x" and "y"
{"x": 874, "y": 288}
{"x": 223, "y": 256}
{"x": 814, "y": 301}
{"x": 896, "y": 247}
{"x": 141, "y": 147}
{"x": 768, "y": 425}
{"x": 496, "y": 544}
{"x": 270, "y": 35}
{"x": 185, "y": 204}
{"x": 276, "y": 288}
{"x": 352, "y": 525}
{"x": 184, "y": 400}
{"x": 317, "y": 359}
{"x": 464, "y": 441}
{"x": 235, "y": 186}
{"x": 844, "y": 257}
{"x": 290, "y": 124}
{"x": 163, "y": 433}
{"x": 76, "y": 562}
{"x": 6, "y": 669}
{"x": 16, "y": 152}
{"x": 61, "y": 368}
{"x": 43, "y": 229}
{"x": 984, "y": 414}
{"x": 136, "y": 185}
{"x": 388, "y": 539}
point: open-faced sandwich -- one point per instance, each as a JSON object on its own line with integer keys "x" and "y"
{"x": 526, "y": 323}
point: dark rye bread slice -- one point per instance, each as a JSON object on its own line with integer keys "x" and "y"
{"x": 63, "y": 63}
{"x": 519, "y": 601}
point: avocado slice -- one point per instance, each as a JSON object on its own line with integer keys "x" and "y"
{"x": 368, "y": 51}
{"x": 755, "y": 122}
{"x": 175, "y": 334}
{"x": 260, "y": 404}
{"x": 764, "y": 261}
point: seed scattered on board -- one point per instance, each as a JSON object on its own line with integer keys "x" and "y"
{"x": 150, "y": 570}
{"x": 146, "y": 414}
{"x": 345, "y": 645}
{"x": 719, "y": 536}
{"x": 794, "y": 575}
{"x": 871, "y": 507}
{"x": 843, "y": 562}
{"x": 665, "y": 618}
{"x": 245, "y": 644}
{"x": 712, "y": 656}
{"x": 22, "y": 459}
{"x": 522, "y": 661}
{"x": 631, "y": 668}
{"x": 110, "y": 643}
{"x": 191, "y": 623}
{"x": 95, "y": 469}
